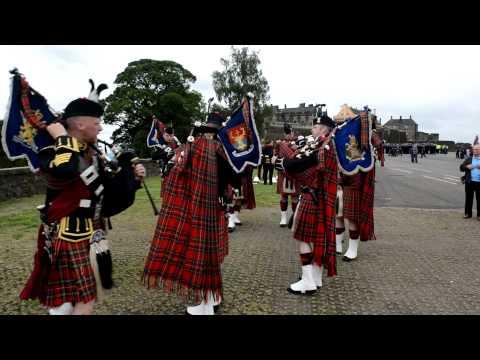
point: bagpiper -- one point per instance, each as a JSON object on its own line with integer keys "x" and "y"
{"x": 240, "y": 195}
{"x": 286, "y": 185}
{"x": 314, "y": 169}
{"x": 72, "y": 262}
{"x": 191, "y": 239}
{"x": 355, "y": 199}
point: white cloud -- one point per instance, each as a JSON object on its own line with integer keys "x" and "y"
{"x": 437, "y": 85}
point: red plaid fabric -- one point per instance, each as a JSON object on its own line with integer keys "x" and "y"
{"x": 191, "y": 240}
{"x": 351, "y": 197}
{"x": 306, "y": 178}
{"x": 315, "y": 223}
{"x": 358, "y": 197}
{"x": 71, "y": 277}
{"x": 247, "y": 189}
{"x": 283, "y": 149}
{"x": 307, "y": 226}
{"x": 36, "y": 283}
{"x": 327, "y": 181}
{"x": 280, "y": 177}
{"x": 364, "y": 129}
{"x": 366, "y": 207}
{"x": 166, "y": 179}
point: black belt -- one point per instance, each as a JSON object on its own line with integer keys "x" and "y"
{"x": 313, "y": 192}
{"x": 306, "y": 189}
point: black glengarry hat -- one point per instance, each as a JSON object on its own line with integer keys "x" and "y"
{"x": 86, "y": 106}
{"x": 216, "y": 118}
{"x": 324, "y": 120}
{"x": 83, "y": 107}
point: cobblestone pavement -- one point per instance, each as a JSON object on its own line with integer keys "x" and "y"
{"x": 423, "y": 262}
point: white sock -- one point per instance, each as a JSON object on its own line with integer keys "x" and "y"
{"x": 64, "y": 309}
{"x": 352, "y": 248}
{"x": 339, "y": 238}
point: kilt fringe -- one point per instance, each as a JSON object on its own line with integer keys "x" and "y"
{"x": 152, "y": 281}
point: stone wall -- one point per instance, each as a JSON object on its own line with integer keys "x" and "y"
{"x": 21, "y": 182}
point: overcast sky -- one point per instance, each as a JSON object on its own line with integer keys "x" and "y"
{"x": 437, "y": 85}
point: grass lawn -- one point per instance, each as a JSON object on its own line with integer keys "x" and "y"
{"x": 20, "y": 215}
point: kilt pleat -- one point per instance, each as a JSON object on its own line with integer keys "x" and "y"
{"x": 71, "y": 277}
{"x": 351, "y": 204}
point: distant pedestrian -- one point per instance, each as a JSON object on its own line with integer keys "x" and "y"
{"x": 414, "y": 153}
{"x": 471, "y": 167}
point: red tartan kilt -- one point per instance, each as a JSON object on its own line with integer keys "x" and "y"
{"x": 71, "y": 277}
{"x": 164, "y": 185}
{"x": 248, "y": 194}
{"x": 280, "y": 177}
{"x": 351, "y": 204}
{"x": 309, "y": 226}
{"x": 191, "y": 238}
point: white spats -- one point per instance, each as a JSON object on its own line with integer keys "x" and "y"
{"x": 317, "y": 275}
{"x": 283, "y": 220}
{"x": 64, "y": 309}
{"x": 256, "y": 179}
{"x": 339, "y": 238}
{"x": 236, "y": 218}
{"x": 352, "y": 250}
{"x": 231, "y": 223}
{"x": 204, "y": 308}
{"x": 306, "y": 285}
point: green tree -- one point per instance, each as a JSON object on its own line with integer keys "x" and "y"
{"x": 241, "y": 75}
{"x": 152, "y": 87}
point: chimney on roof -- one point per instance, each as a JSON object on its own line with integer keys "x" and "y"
{"x": 310, "y": 105}
{"x": 302, "y": 105}
{"x": 400, "y": 117}
{"x": 391, "y": 117}
{"x": 410, "y": 117}
{"x": 285, "y": 106}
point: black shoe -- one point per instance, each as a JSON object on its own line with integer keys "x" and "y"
{"x": 347, "y": 259}
{"x": 300, "y": 278}
{"x": 467, "y": 216}
{"x": 308, "y": 292}
{"x": 215, "y": 308}
{"x": 231, "y": 230}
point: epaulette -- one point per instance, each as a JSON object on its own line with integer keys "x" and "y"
{"x": 67, "y": 142}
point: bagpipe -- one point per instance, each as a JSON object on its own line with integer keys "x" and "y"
{"x": 114, "y": 157}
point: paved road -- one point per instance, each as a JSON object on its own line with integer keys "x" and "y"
{"x": 433, "y": 183}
